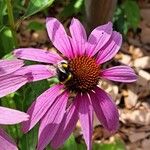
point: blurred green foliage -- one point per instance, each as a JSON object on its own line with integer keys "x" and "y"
{"x": 72, "y": 8}
{"x": 35, "y": 6}
{"x": 34, "y": 25}
{"x": 12, "y": 13}
{"x": 71, "y": 144}
{"x": 127, "y": 16}
{"x": 7, "y": 42}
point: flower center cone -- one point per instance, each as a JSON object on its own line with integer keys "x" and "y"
{"x": 85, "y": 74}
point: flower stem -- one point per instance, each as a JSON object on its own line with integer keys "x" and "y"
{"x": 11, "y": 21}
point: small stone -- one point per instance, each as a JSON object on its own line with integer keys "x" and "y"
{"x": 139, "y": 117}
{"x": 112, "y": 89}
{"x": 146, "y": 144}
{"x": 131, "y": 99}
{"x": 138, "y": 136}
{"x": 137, "y": 53}
{"x": 145, "y": 13}
{"x": 143, "y": 78}
{"x": 143, "y": 62}
{"x": 39, "y": 36}
{"x": 125, "y": 59}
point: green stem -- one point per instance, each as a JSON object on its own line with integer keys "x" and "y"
{"x": 11, "y": 21}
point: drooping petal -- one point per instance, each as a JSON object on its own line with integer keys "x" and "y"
{"x": 110, "y": 49}
{"x": 79, "y": 37}
{"x": 10, "y": 84}
{"x": 98, "y": 38}
{"x": 67, "y": 125}
{"x": 39, "y": 55}
{"x": 11, "y": 116}
{"x": 51, "y": 121}
{"x": 58, "y": 36}
{"x": 6, "y": 143}
{"x": 39, "y": 107}
{"x": 119, "y": 74}
{"x": 105, "y": 109}
{"x": 86, "y": 119}
{"x": 35, "y": 72}
{"x": 9, "y": 66}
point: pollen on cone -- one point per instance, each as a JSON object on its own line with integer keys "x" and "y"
{"x": 85, "y": 73}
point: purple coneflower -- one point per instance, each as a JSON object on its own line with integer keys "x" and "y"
{"x": 78, "y": 68}
{"x": 8, "y": 117}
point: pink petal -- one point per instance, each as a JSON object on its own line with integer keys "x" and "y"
{"x": 39, "y": 107}
{"x": 39, "y": 55}
{"x": 79, "y": 37}
{"x": 10, "y": 84}
{"x": 119, "y": 74}
{"x": 67, "y": 125}
{"x": 11, "y": 116}
{"x": 98, "y": 38}
{"x": 105, "y": 109}
{"x": 9, "y": 66}
{"x": 86, "y": 119}
{"x": 58, "y": 36}
{"x": 51, "y": 121}
{"x": 35, "y": 72}
{"x": 110, "y": 49}
{"x": 6, "y": 143}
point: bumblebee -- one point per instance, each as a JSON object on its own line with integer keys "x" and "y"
{"x": 63, "y": 72}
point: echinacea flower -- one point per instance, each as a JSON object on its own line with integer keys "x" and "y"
{"x": 8, "y": 117}
{"x": 78, "y": 68}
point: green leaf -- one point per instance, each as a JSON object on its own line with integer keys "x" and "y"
{"x": 132, "y": 13}
{"x": 117, "y": 145}
{"x": 72, "y": 8}
{"x": 70, "y": 144}
{"x": 7, "y": 42}
{"x": 26, "y": 95}
{"x": 81, "y": 146}
{"x": 18, "y": 8}
{"x": 120, "y": 23}
{"x": 1, "y": 27}
{"x": 8, "y": 56}
{"x": 2, "y": 10}
{"x": 52, "y": 81}
{"x": 36, "y": 6}
{"x": 34, "y": 25}
{"x": 120, "y": 145}
{"x": 48, "y": 148}
{"x": 29, "y": 140}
